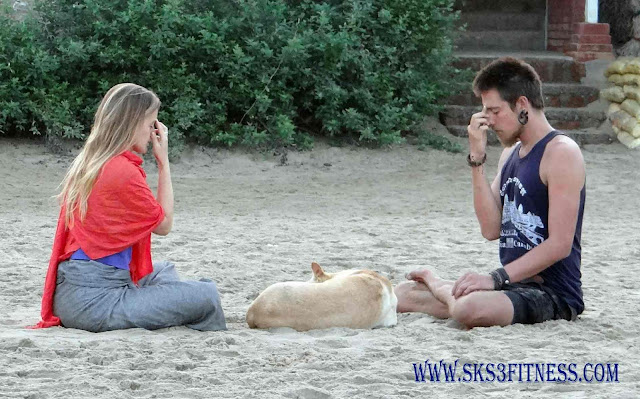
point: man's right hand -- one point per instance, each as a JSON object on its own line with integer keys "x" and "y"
{"x": 477, "y": 130}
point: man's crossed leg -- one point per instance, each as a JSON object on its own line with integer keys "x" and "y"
{"x": 429, "y": 294}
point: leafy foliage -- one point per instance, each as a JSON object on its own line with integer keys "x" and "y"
{"x": 232, "y": 72}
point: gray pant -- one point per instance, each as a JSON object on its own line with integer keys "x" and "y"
{"x": 96, "y": 297}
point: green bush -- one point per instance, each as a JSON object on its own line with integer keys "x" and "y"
{"x": 243, "y": 72}
{"x": 32, "y": 100}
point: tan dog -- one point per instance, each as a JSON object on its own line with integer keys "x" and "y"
{"x": 350, "y": 298}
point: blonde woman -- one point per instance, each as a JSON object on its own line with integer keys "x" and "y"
{"x": 100, "y": 275}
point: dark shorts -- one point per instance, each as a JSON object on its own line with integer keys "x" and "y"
{"x": 534, "y": 303}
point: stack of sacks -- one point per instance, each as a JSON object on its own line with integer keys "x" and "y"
{"x": 624, "y": 111}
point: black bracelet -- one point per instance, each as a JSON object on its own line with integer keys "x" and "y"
{"x": 500, "y": 278}
{"x": 474, "y": 164}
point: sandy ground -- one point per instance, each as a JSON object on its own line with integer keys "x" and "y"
{"x": 247, "y": 222}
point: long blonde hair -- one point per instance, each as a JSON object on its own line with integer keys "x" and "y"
{"x": 120, "y": 113}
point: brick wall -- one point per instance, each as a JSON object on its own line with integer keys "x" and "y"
{"x": 568, "y": 32}
{"x": 562, "y": 15}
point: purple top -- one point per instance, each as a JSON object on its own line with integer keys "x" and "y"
{"x": 120, "y": 260}
{"x": 525, "y": 217}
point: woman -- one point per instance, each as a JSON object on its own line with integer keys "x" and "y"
{"x": 100, "y": 275}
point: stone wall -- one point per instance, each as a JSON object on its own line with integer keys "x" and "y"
{"x": 623, "y": 16}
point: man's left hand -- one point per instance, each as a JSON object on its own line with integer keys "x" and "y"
{"x": 471, "y": 282}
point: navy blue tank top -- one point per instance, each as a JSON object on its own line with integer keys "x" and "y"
{"x": 525, "y": 213}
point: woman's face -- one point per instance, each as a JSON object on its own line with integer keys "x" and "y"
{"x": 143, "y": 133}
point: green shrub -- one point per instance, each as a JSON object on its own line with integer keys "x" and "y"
{"x": 243, "y": 72}
{"x": 32, "y": 100}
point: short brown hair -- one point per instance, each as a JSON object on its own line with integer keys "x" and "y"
{"x": 512, "y": 78}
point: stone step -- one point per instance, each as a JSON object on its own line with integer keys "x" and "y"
{"x": 501, "y": 21}
{"x": 522, "y": 6}
{"x": 580, "y": 136}
{"x": 518, "y": 40}
{"x": 560, "y": 118}
{"x": 552, "y": 67}
{"x": 567, "y": 95}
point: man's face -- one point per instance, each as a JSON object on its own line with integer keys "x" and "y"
{"x": 502, "y": 119}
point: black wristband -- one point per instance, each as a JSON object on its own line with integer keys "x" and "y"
{"x": 474, "y": 164}
{"x": 500, "y": 278}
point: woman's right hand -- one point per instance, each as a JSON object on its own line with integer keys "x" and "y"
{"x": 160, "y": 141}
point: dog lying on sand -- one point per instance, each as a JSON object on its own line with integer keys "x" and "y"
{"x": 350, "y": 298}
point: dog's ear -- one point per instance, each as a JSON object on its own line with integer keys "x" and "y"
{"x": 318, "y": 273}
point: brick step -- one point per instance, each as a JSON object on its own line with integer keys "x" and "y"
{"x": 591, "y": 39}
{"x": 586, "y": 28}
{"x": 560, "y": 118}
{"x": 587, "y": 47}
{"x": 566, "y": 95}
{"x": 584, "y": 56}
{"x": 552, "y": 67}
{"x": 519, "y": 40}
{"x": 502, "y": 21}
{"x": 581, "y": 136}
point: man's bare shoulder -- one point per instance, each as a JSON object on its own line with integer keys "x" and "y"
{"x": 563, "y": 149}
{"x": 562, "y": 157}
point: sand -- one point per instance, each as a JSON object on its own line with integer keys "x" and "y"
{"x": 247, "y": 222}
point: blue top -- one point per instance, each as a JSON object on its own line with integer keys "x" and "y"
{"x": 120, "y": 260}
{"x": 525, "y": 212}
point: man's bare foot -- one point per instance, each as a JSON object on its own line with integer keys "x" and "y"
{"x": 429, "y": 278}
{"x": 415, "y": 296}
{"x": 419, "y": 275}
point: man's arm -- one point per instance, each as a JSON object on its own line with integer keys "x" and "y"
{"x": 562, "y": 169}
{"x": 486, "y": 199}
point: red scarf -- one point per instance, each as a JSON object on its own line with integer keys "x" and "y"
{"x": 121, "y": 213}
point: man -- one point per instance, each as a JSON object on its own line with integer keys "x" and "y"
{"x": 534, "y": 206}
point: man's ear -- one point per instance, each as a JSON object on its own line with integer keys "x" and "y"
{"x": 522, "y": 103}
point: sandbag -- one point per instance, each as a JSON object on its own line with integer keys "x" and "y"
{"x": 616, "y": 67}
{"x": 632, "y": 66}
{"x": 616, "y": 79}
{"x": 631, "y": 79}
{"x": 628, "y": 140}
{"x": 622, "y": 120}
{"x": 631, "y": 92}
{"x": 613, "y": 107}
{"x": 614, "y": 94}
{"x": 632, "y": 107}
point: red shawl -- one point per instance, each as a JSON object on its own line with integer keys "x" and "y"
{"x": 121, "y": 213}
